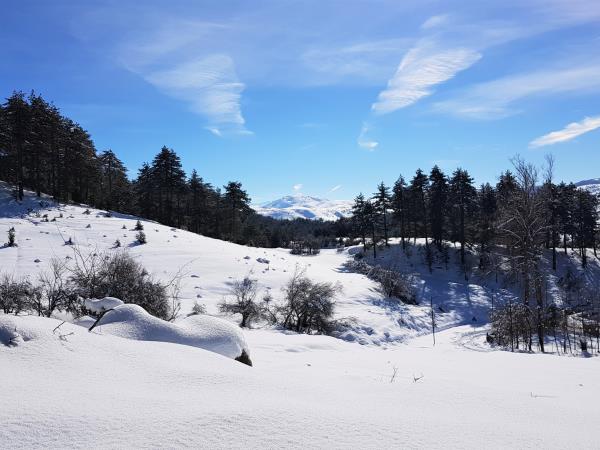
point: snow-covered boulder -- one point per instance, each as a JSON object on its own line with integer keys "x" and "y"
{"x": 206, "y": 332}
{"x": 98, "y": 306}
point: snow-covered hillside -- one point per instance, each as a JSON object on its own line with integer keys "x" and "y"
{"x": 380, "y": 383}
{"x": 302, "y": 206}
{"x": 592, "y": 185}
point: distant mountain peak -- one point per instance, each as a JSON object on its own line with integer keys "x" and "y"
{"x": 302, "y": 206}
{"x": 588, "y": 182}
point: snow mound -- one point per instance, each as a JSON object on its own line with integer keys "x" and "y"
{"x": 100, "y": 305}
{"x": 12, "y": 332}
{"x": 206, "y": 332}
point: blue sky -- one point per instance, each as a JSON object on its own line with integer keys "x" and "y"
{"x": 325, "y": 97}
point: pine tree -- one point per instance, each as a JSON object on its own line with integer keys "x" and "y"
{"x": 371, "y": 220}
{"x": 12, "y": 237}
{"x": 438, "y": 196}
{"x": 486, "y": 219}
{"x": 115, "y": 187}
{"x": 359, "y": 218}
{"x": 237, "y": 204}
{"x": 462, "y": 203}
{"x": 418, "y": 189}
{"x": 17, "y": 114}
{"x": 399, "y": 207}
{"x": 381, "y": 204}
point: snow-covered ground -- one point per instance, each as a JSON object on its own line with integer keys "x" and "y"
{"x": 592, "y": 185}
{"x": 300, "y": 206}
{"x": 69, "y": 388}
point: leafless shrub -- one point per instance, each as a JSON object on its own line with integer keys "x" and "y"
{"x": 308, "y": 305}
{"x": 15, "y": 294}
{"x": 244, "y": 294}
{"x": 120, "y": 275}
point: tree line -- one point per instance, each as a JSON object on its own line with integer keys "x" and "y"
{"x": 47, "y": 152}
{"x": 508, "y": 227}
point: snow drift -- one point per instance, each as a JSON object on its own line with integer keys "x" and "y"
{"x": 206, "y": 332}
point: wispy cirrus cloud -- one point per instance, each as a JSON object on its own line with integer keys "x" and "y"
{"x": 211, "y": 86}
{"x": 571, "y": 131}
{"x": 497, "y": 98}
{"x": 435, "y": 21}
{"x": 173, "y": 57}
{"x": 337, "y": 187}
{"x": 297, "y": 187}
{"x": 421, "y": 69}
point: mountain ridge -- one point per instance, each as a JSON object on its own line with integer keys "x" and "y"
{"x": 301, "y": 206}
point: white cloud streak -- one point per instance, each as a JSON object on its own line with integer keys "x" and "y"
{"x": 494, "y": 99}
{"x": 423, "y": 67}
{"x": 435, "y": 21}
{"x": 297, "y": 187}
{"x": 335, "y": 188}
{"x": 364, "y": 142}
{"x": 571, "y": 131}
{"x": 211, "y": 87}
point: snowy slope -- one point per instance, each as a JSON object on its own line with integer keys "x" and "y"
{"x": 592, "y": 185}
{"x": 84, "y": 390}
{"x": 302, "y": 206}
{"x": 105, "y": 389}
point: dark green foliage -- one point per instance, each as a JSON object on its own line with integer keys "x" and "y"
{"x": 11, "y": 237}
{"x": 140, "y": 237}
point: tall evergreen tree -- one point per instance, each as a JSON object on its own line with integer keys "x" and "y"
{"x": 462, "y": 203}
{"x": 399, "y": 205}
{"x": 381, "y": 204}
{"x": 360, "y": 219}
{"x": 237, "y": 204}
{"x": 438, "y": 197}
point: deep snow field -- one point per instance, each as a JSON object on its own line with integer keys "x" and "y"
{"x": 381, "y": 384}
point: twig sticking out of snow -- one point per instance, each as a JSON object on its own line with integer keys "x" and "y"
{"x": 394, "y": 373}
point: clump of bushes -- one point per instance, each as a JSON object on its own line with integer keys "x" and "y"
{"x": 16, "y": 294}
{"x": 307, "y": 306}
{"x": 392, "y": 283}
{"x": 63, "y": 287}
{"x": 197, "y": 309}
{"x": 120, "y": 275}
{"x": 308, "y": 247}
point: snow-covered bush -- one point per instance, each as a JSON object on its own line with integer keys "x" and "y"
{"x": 244, "y": 294}
{"x": 138, "y": 226}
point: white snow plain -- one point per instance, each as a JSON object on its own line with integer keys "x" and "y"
{"x": 68, "y": 388}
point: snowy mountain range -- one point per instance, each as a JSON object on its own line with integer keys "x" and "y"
{"x": 592, "y": 185}
{"x": 300, "y": 206}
